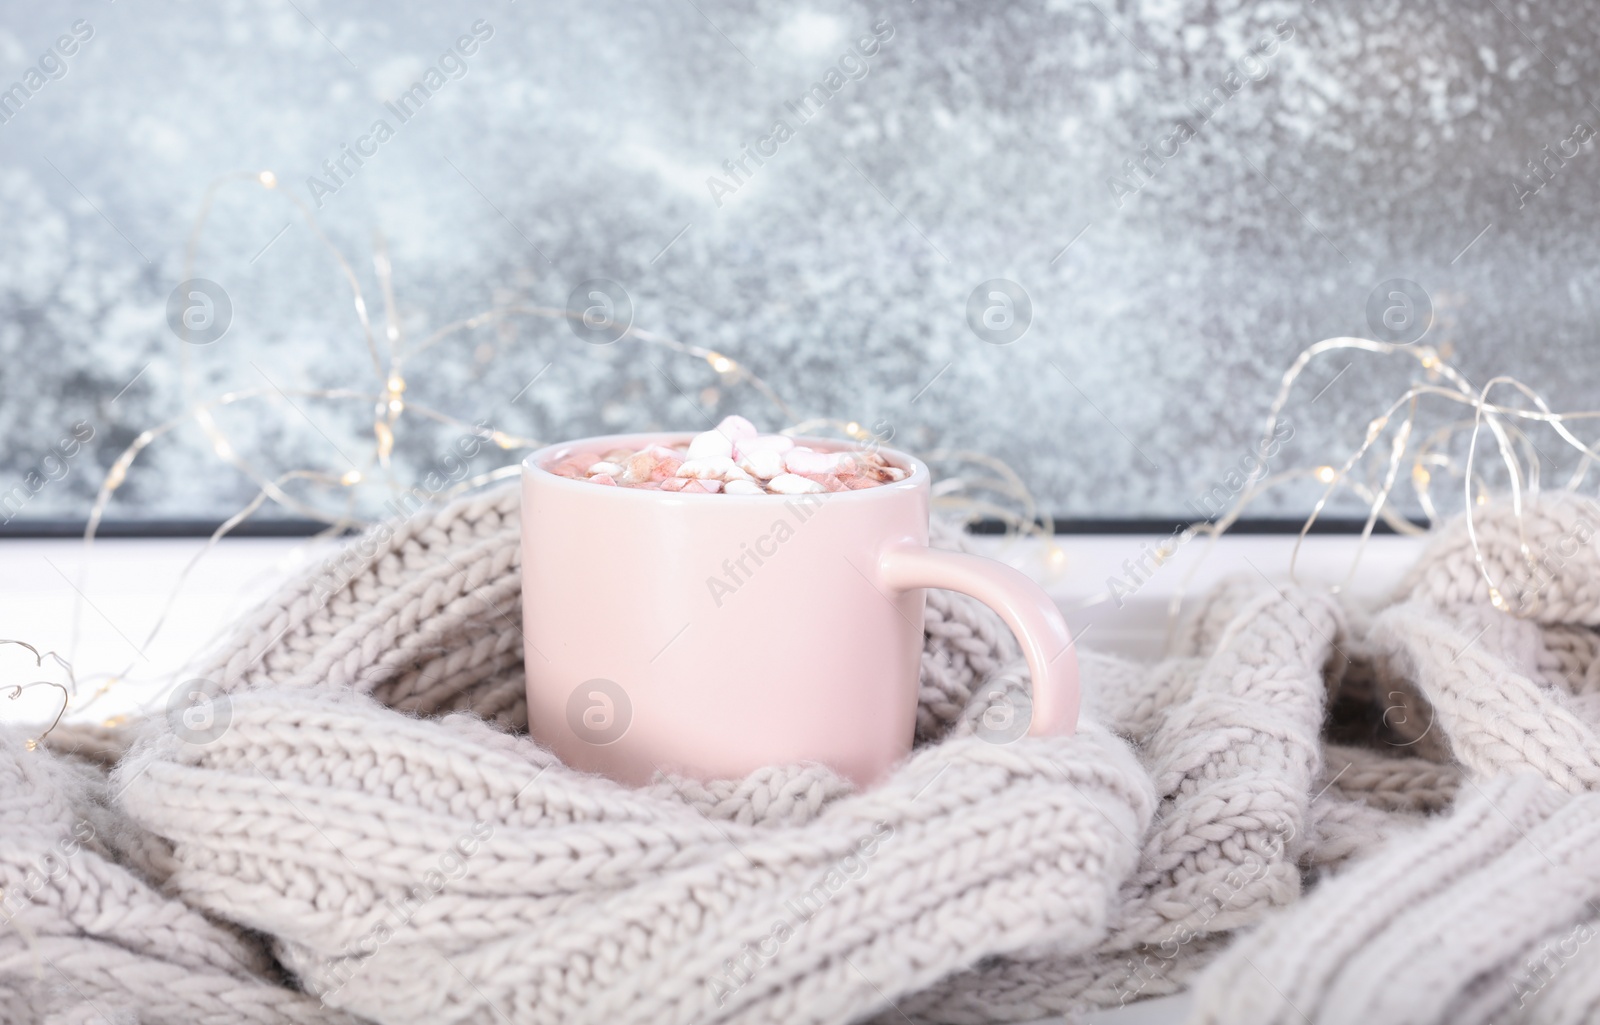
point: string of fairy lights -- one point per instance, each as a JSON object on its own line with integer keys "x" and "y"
{"x": 974, "y": 486}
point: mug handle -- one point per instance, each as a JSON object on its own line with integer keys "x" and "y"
{"x": 1021, "y": 603}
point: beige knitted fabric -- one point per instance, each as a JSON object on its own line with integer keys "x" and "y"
{"x": 1487, "y": 915}
{"x": 363, "y": 832}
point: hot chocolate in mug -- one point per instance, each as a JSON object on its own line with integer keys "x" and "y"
{"x": 711, "y": 634}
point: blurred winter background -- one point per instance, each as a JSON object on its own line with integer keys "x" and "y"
{"x": 1334, "y": 147}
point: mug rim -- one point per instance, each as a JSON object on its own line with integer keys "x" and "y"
{"x": 916, "y": 478}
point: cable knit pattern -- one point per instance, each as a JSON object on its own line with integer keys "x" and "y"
{"x": 1496, "y": 718}
{"x": 1490, "y": 913}
{"x": 1231, "y": 743}
{"x": 1469, "y": 921}
{"x": 372, "y": 837}
{"x": 90, "y": 935}
{"x": 581, "y": 900}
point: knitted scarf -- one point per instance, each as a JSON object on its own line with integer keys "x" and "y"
{"x": 346, "y": 821}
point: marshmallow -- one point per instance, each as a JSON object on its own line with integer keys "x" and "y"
{"x": 737, "y": 429}
{"x": 877, "y": 469}
{"x": 765, "y": 443}
{"x": 692, "y": 486}
{"x": 717, "y": 468}
{"x": 736, "y": 459}
{"x": 640, "y": 468}
{"x": 711, "y": 445}
{"x": 792, "y": 484}
{"x": 762, "y": 463}
{"x": 805, "y": 460}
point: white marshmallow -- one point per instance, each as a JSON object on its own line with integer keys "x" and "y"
{"x": 743, "y": 487}
{"x": 764, "y": 443}
{"x": 737, "y": 428}
{"x": 762, "y": 463}
{"x": 711, "y": 445}
{"x": 691, "y": 485}
{"x": 791, "y": 484}
{"x": 614, "y": 469}
{"x": 716, "y": 468}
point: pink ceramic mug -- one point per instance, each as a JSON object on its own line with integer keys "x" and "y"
{"x": 710, "y": 635}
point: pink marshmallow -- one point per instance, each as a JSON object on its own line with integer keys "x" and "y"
{"x": 805, "y": 461}
{"x": 638, "y": 468}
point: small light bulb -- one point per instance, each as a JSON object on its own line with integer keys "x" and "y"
{"x": 720, "y": 363}
{"x": 267, "y": 179}
{"x": 397, "y": 383}
{"x": 503, "y": 440}
{"x": 350, "y": 479}
{"x": 1326, "y": 474}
